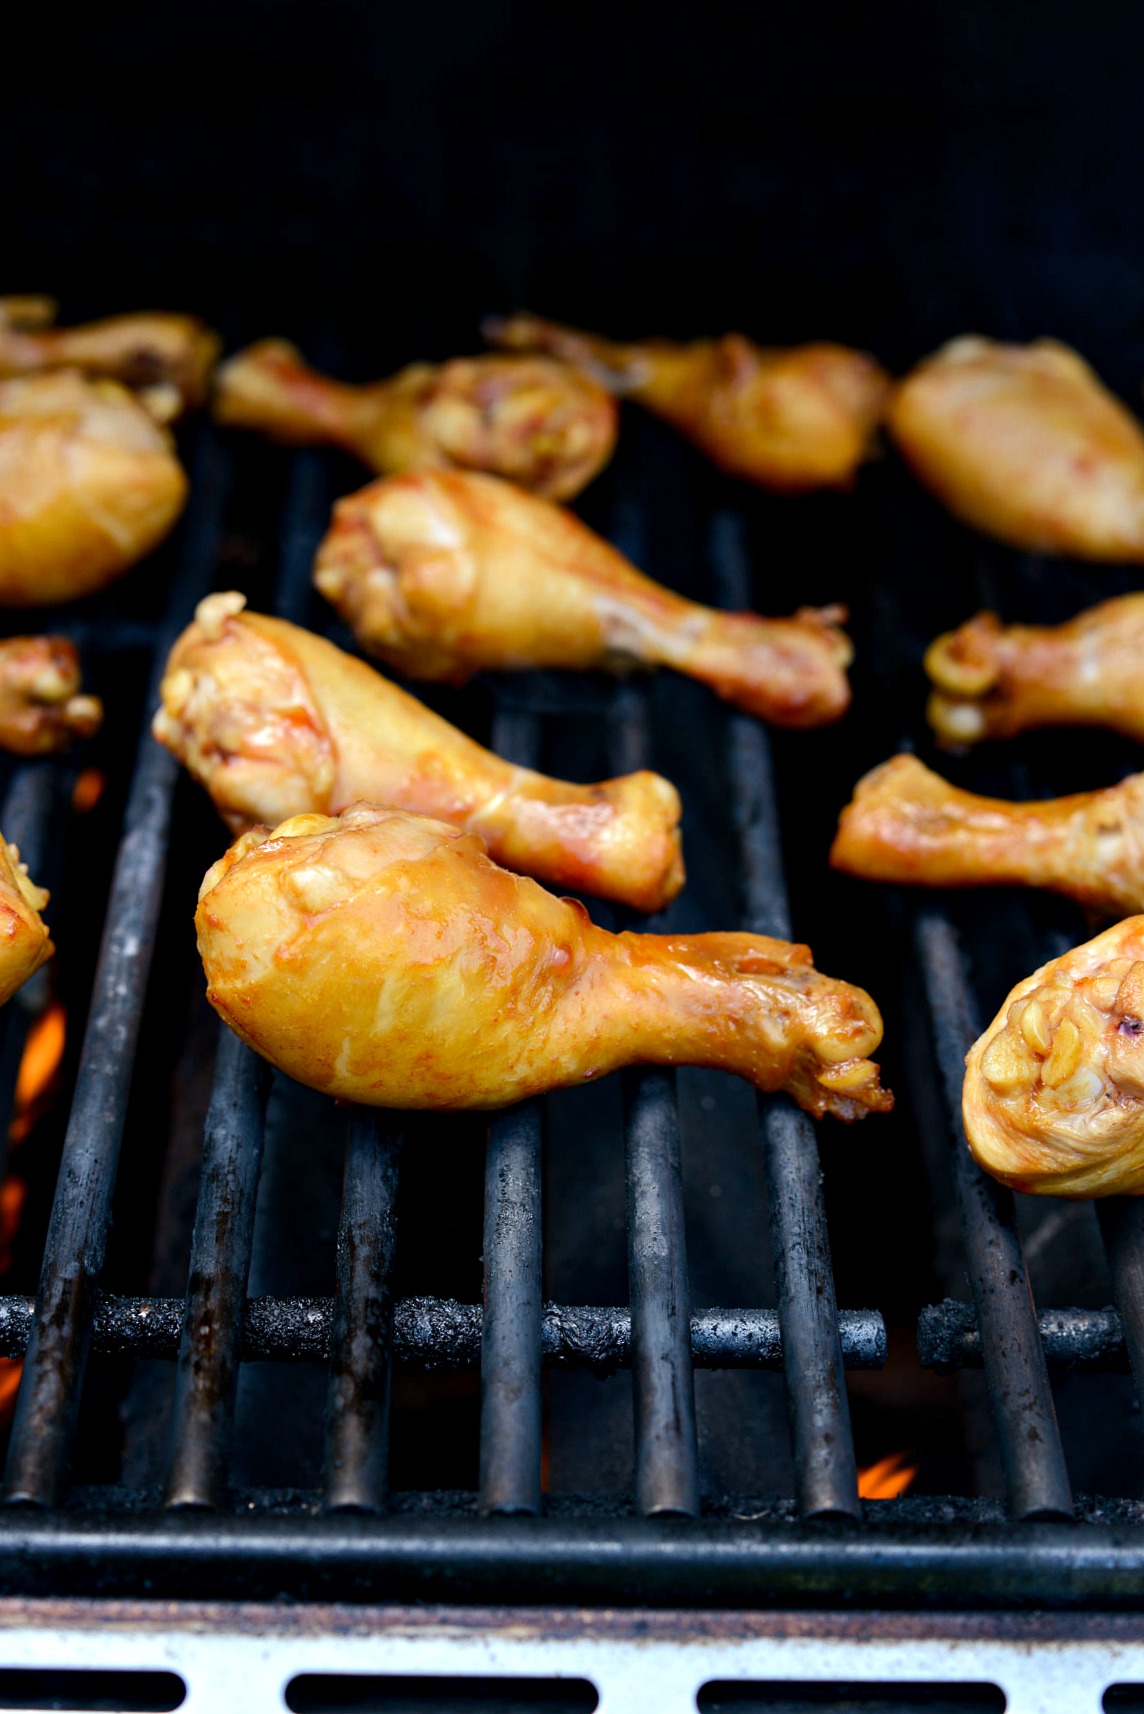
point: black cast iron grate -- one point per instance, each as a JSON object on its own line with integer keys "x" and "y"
{"x": 350, "y": 1540}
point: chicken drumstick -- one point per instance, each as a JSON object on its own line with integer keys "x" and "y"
{"x": 385, "y": 958}
{"x": 147, "y": 352}
{"x": 993, "y": 680}
{"x": 905, "y": 824}
{"x": 789, "y": 418}
{"x": 537, "y": 422}
{"x": 24, "y": 939}
{"x": 442, "y": 573}
{"x": 1053, "y": 1098}
{"x": 1023, "y": 442}
{"x": 40, "y": 706}
{"x": 275, "y": 721}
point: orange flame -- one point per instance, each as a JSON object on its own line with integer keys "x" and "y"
{"x": 35, "y": 1080}
{"x": 11, "y": 1368}
{"x": 887, "y": 1479}
{"x": 88, "y": 790}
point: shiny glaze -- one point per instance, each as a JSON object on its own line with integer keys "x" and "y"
{"x": 385, "y": 958}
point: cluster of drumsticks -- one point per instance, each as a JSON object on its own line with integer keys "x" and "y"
{"x": 372, "y": 945}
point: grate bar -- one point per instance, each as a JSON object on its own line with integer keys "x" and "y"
{"x": 826, "y": 1471}
{"x": 1122, "y": 1228}
{"x": 1036, "y": 1479}
{"x": 361, "y": 1343}
{"x": 44, "y": 1425}
{"x": 1090, "y": 1339}
{"x": 211, "y": 1344}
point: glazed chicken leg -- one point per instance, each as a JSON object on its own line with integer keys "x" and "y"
{"x": 274, "y": 721}
{"x": 147, "y": 352}
{"x": 905, "y": 824}
{"x": 40, "y": 706}
{"x": 1054, "y": 1089}
{"x": 539, "y": 423}
{"x": 789, "y": 418}
{"x": 385, "y": 958}
{"x": 441, "y": 574}
{"x": 993, "y": 680}
{"x": 1023, "y": 442}
{"x": 24, "y": 940}
{"x": 88, "y": 485}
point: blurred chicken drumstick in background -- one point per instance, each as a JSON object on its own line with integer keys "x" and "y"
{"x": 536, "y": 422}
{"x": 146, "y": 351}
{"x": 273, "y": 721}
{"x": 790, "y": 418}
{"x": 385, "y": 958}
{"x": 40, "y": 706}
{"x": 441, "y": 574}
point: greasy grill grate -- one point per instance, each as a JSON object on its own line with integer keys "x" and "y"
{"x": 347, "y": 1539}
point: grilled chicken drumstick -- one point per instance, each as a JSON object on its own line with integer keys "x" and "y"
{"x": 905, "y": 824}
{"x": 385, "y": 958}
{"x": 274, "y": 721}
{"x": 993, "y": 680}
{"x": 24, "y": 941}
{"x": 147, "y": 352}
{"x": 789, "y": 418}
{"x": 442, "y": 573}
{"x": 88, "y": 485}
{"x": 1054, "y": 1089}
{"x": 40, "y": 706}
{"x": 539, "y": 423}
{"x": 1023, "y": 442}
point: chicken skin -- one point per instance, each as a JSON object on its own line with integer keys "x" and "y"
{"x": 88, "y": 485}
{"x": 41, "y": 709}
{"x": 1054, "y": 1089}
{"x": 168, "y": 357}
{"x": 1024, "y": 443}
{"x": 539, "y": 423}
{"x": 788, "y": 418}
{"x": 24, "y": 940}
{"x": 993, "y": 680}
{"x": 275, "y": 721}
{"x": 385, "y": 958}
{"x": 442, "y": 573}
{"x": 905, "y": 824}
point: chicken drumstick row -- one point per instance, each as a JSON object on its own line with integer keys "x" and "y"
{"x": 147, "y": 352}
{"x": 385, "y": 958}
{"x": 537, "y": 422}
{"x": 906, "y": 824}
{"x": 275, "y": 721}
{"x": 441, "y": 573}
{"x": 791, "y": 419}
{"x": 993, "y": 681}
{"x": 1054, "y": 1089}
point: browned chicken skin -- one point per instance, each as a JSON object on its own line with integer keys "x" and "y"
{"x": 993, "y": 680}
{"x": 385, "y": 958}
{"x": 1054, "y": 1088}
{"x": 538, "y": 423}
{"x": 1023, "y": 442}
{"x": 24, "y": 940}
{"x": 443, "y": 573}
{"x": 153, "y": 352}
{"x": 88, "y": 485}
{"x": 905, "y": 824}
{"x": 41, "y": 709}
{"x": 789, "y": 418}
{"x": 275, "y": 721}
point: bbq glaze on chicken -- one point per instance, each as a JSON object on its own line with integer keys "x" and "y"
{"x": 24, "y": 940}
{"x": 89, "y": 484}
{"x": 443, "y": 573}
{"x": 993, "y": 681}
{"x": 539, "y": 423}
{"x": 385, "y": 958}
{"x": 167, "y": 356}
{"x": 908, "y": 825}
{"x": 274, "y": 721}
{"x": 1054, "y": 1089}
{"x": 41, "y": 709}
{"x": 788, "y": 418}
{"x": 1023, "y": 442}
